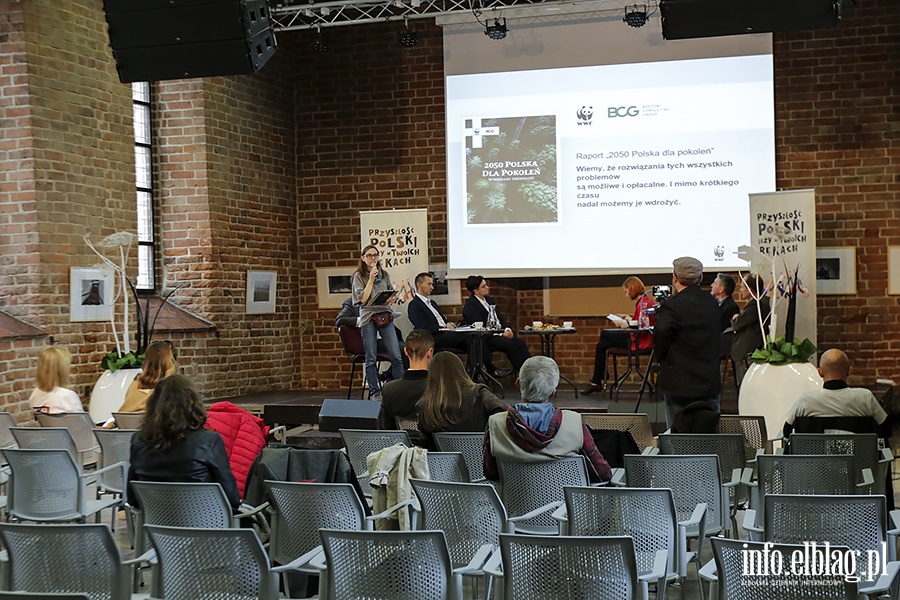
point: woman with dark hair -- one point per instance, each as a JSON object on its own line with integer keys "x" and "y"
{"x": 610, "y": 338}
{"x": 452, "y": 401}
{"x": 173, "y": 445}
{"x": 480, "y": 307}
{"x": 368, "y": 283}
{"x": 159, "y": 363}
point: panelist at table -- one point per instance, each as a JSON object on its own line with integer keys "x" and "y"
{"x": 424, "y": 313}
{"x": 478, "y": 308}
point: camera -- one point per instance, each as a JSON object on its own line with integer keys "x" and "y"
{"x": 661, "y": 293}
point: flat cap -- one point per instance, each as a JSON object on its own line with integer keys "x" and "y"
{"x": 688, "y": 270}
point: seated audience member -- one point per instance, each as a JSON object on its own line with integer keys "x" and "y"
{"x": 611, "y": 338}
{"x": 747, "y": 333}
{"x": 722, "y": 290}
{"x": 424, "y": 313}
{"x": 399, "y": 397}
{"x": 50, "y": 396}
{"x": 836, "y": 398}
{"x": 478, "y": 308}
{"x": 452, "y": 401}
{"x": 174, "y": 446}
{"x": 349, "y": 315}
{"x": 535, "y": 431}
{"x": 159, "y": 363}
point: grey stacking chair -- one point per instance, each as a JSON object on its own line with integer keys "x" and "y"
{"x": 574, "y": 568}
{"x": 400, "y": 565}
{"x": 858, "y": 522}
{"x": 212, "y": 563}
{"x": 360, "y": 443}
{"x": 795, "y": 474}
{"x": 40, "y": 596}
{"x": 64, "y": 559}
{"x": 647, "y": 515}
{"x": 471, "y": 516}
{"x": 81, "y": 427}
{"x": 733, "y": 583}
{"x": 300, "y": 510}
{"x": 729, "y": 447}
{"x": 128, "y": 420}
{"x": 637, "y": 424}
{"x": 862, "y": 446}
{"x": 44, "y": 438}
{"x": 753, "y": 428}
{"x": 115, "y": 447}
{"x": 532, "y": 491}
{"x": 47, "y": 486}
{"x": 407, "y": 424}
{"x": 7, "y": 422}
{"x": 448, "y": 466}
{"x": 471, "y": 445}
{"x": 694, "y": 480}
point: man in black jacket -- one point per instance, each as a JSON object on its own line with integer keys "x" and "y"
{"x": 686, "y": 340}
{"x": 722, "y": 289}
{"x": 425, "y": 314}
{"x": 399, "y": 397}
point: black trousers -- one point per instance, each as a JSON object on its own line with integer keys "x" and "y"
{"x": 609, "y": 338}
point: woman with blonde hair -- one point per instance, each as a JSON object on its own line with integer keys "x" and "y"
{"x": 610, "y": 338}
{"x": 50, "y": 395}
{"x": 159, "y": 362}
{"x": 452, "y": 401}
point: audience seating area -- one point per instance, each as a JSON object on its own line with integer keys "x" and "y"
{"x": 540, "y": 532}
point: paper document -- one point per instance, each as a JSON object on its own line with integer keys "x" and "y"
{"x": 616, "y": 319}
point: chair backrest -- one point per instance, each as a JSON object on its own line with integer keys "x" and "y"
{"x": 199, "y": 505}
{"x": 805, "y": 474}
{"x": 729, "y": 447}
{"x": 753, "y": 428}
{"x": 129, "y": 420}
{"x": 302, "y": 509}
{"x": 693, "y": 479}
{"x": 44, "y": 485}
{"x": 388, "y": 564}
{"x": 82, "y": 428}
{"x": 7, "y": 422}
{"x": 360, "y": 443}
{"x": 40, "y": 596}
{"x": 43, "y": 438}
{"x": 471, "y": 445}
{"x": 407, "y": 424}
{"x": 448, "y": 466}
{"x": 469, "y": 514}
{"x": 351, "y": 340}
{"x": 575, "y": 568}
{"x": 65, "y": 559}
{"x": 638, "y": 425}
{"x": 741, "y": 572}
{"x": 115, "y": 446}
{"x": 647, "y": 515}
{"x": 858, "y": 522}
{"x": 863, "y": 447}
{"x": 527, "y": 486}
{"x": 207, "y": 563}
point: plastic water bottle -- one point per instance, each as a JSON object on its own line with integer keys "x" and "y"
{"x": 645, "y": 318}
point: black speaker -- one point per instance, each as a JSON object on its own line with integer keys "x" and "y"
{"x": 180, "y": 39}
{"x": 348, "y": 414}
{"x": 683, "y": 19}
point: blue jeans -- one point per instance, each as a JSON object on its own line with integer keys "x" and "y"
{"x": 370, "y": 345}
{"x": 674, "y": 404}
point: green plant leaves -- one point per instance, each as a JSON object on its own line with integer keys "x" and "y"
{"x": 783, "y": 352}
{"x": 114, "y": 362}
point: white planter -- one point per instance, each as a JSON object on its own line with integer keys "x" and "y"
{"x": 109, "y": 393}
{"x": 771, "y": 390}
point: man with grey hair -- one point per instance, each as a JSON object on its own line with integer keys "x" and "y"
{"x": 686, "y": 341}
{"x": 535, "y": 431}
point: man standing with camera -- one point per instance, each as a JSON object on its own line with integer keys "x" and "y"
{"x": 686, "y": 339}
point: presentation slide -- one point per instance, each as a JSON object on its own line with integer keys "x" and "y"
{"x": 607, "y": 169}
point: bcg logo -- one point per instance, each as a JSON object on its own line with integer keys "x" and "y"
{"x": 622, "y": 111}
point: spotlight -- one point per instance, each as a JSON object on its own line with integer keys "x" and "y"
{"x": 636, "y": 15}
{"x": 408, "y": 38}
{"x": 320, "y": 44}
{"x": 498, "y": 30}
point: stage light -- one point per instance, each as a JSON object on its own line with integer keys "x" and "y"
{"x": 320, "y": 44}
{"x": 498, "y": 30}
{"x": 636, "y": 15}
{"x": 408, "y": 38}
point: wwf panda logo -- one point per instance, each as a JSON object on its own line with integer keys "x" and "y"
{"x": 719, "y": 252}
{"x": 585, "y": 113}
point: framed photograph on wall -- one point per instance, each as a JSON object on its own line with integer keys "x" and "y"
{"x": 261, "y": 292}
{"x": 333, "y": 285}
{"x": 836, "y": 271}
{"x": 90, "y": 294}
{"x": 894, "y": 270}
{"x": 446, "y": 291}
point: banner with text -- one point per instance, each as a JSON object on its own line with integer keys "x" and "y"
{"x": 402, "y": 240}
{"x": 783, "y": 232}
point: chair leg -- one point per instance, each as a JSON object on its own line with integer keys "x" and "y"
{"x": 352, "y": 374}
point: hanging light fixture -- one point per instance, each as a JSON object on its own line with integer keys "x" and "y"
{"x": 408, "y": 38}
{"x": 498, "y": 30}
{"x": 636, "y": 15}
{"x": 320, "y": 44}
